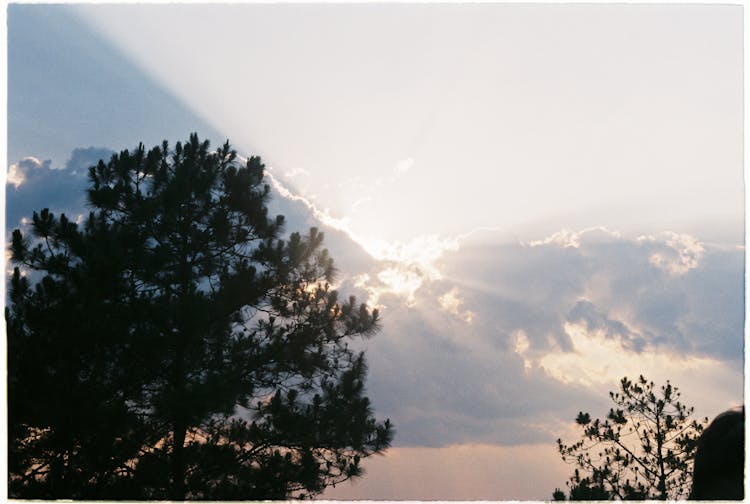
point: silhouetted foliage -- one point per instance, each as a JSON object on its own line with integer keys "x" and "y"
{"x": 592, "y": 487}
{"x": 71, "y": 373}
{"x": 719, "y": 467}
{"x": 173, "y": 346}
{"x": 642, "y": 450}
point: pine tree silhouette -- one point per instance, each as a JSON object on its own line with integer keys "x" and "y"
{"x": 174, "y": 346}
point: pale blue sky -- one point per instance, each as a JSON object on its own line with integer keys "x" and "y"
{"x": 68, "y": 87}
{"x": 540, "y": 198}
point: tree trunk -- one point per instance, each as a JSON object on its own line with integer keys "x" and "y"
{"x": 177, "y": 491}
{"x": 179, "y": 427}
{"x": 660, "y": 456}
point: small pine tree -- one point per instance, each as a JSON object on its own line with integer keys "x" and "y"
{"x": 643, "y": 450}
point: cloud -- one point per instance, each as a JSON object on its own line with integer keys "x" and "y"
{"x": 383, "y": 266}
{"x": 398, "y": 280}
{"x": 404, "y": 166}
{"x": 593, "y": 321}
{"x": 33, "y": 185}
{"x": 567, "y": 238}
{"x": 543, "y": 315}
{"x": 452, "y": 303}
{"x": 296, "y": 172}
{"x": 600, "y": 360}
{"x": 82, "y": 158}
{"x": 681, "y": 254}
{"x": 611, "y": 283}
{"x": 27, "y": 169}
{"x": 444, "y": 381}
{"x": 554, "y": 325}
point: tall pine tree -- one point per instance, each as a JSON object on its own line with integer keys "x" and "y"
{"x": 221, "y": 346}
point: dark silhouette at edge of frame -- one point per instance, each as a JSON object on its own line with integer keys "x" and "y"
{"x": 719, "y": 468}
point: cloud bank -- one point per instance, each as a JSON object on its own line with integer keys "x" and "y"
{"x": 514, "y": 338}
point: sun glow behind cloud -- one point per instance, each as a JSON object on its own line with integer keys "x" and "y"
{"x": 598, "y": 359}
{"x": 406, "y": 264}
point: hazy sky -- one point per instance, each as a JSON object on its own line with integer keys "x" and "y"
{"x": 541, "y": 198}
{"x": 495, "y": 115}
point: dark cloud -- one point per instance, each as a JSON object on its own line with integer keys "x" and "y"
{"x": 83, "y": 158}
{"x": 713, "y": 307}
{"x": 443, "y": 382}
{"x": 595, "y": 320}
{"x": 33, "y": 185}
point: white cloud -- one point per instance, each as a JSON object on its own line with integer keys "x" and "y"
{"x": 403, "y": 166}
{"x": 295, "y": 172}
{"x": 26, "y": 168}
{"x": 395, "y": 280}
{"x": 683, "y": 254}
{"x": 422, "y": 251}
{"x": 401, "y": 282}
{"x": 521, "y": 348}
{"x": 451, "y": 302}
{"x": 567, "y": 238}
{"x": 15, "y": 176}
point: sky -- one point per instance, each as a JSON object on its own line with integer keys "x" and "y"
{"x": 540, "y": 198}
